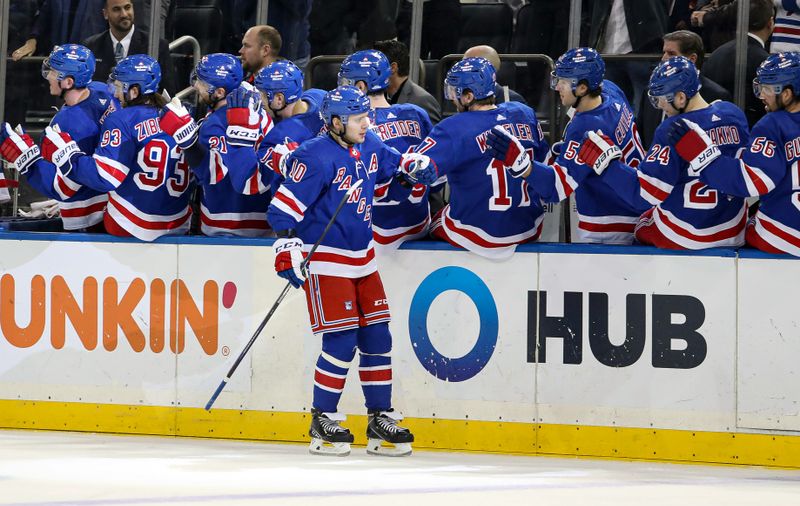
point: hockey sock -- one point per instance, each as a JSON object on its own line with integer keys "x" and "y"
{"x": 375, "y": 365}
{"x": 338, "y": 350}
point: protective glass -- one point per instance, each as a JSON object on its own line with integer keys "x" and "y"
{"x": 768, "y": 89}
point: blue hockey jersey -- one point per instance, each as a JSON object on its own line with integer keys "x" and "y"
{"x": 80, "y": 206}
{"x": 400, "y": 215}
{"x": 489, "y": 213}
{"x": 144, "y": 173}
{"x": 770, "y": 169}
{"x": 224, "y": 210}
{"x": 319, "y": 171}
{"x": 687, "y": 211}
{"x": 602, "y": 216}
{"x": 255, "y": 174}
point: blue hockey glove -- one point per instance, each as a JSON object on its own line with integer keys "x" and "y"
{"x": 418, "y": 168}
{"x": 289, "y": 260}
{"x": 505, "y": 147}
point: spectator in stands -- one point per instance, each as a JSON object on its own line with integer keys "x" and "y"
{"x": 261, "y": 45}
{"x": 21, "y": 16}
{"x": 721, "y": 65}
{"x": 717, "y": 21}
{"x": 59, "y": 22}
{"x": 628, "y": 27}
{"x": 288, "y": 17}
{"x": 402, "y": 90}
{"x": 690, "y": 45}
{"x": 786, "y": 36}
{"x": 502, "y": 93}
{"x": 441, "y": 27}
{"x": 123, "y": 38}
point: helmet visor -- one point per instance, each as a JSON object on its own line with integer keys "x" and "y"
{"x": 450, "y": 92}
{"x": 346, "y": 81}
{"x": 46, "y": 68}
{"x": 655, "y": 100}
{"x": 768, "y": 89}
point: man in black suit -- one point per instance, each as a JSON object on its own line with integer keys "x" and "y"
{"x": 690, "y": 45}
{"x": 402, "y": 89}
{"x": 721, "y": 65}
{"x": 123, "y": 39}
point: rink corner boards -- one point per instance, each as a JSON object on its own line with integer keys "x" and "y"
{"x": 621, "y": 443}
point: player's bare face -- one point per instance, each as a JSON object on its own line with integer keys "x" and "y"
{"x": 119, "y": 14}
{"x": 356, "y": 128}
{"x": 55, "y": 87}
{"x": 564, "y": 89}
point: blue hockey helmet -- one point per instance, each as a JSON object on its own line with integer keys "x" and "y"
{"x": 343, "y": 102}
{"x": 281, "y": 76}
{"x": 579, "y": 64}
{"x": 777, "y": 72}
{"x": 140, "y": 70}
{"x": 370, "y": 66}
{"x": 70, "y": 60}
{"x": 218, "y": 70}
{"x": 474, "y": 74}
{"x": 671, "y": 76}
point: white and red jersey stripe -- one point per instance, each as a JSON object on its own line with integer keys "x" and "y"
{"x": 606, "y": 229}
{"x": 390, "y": 239}
{"x": 756, "y": 180}
{"x": 565, "y": 184}
{"x": 286, "y": 201}
{"x": 79, "y": 214}
{"x": 479, "y": 241}
{"x": 144, "y": 226}
{"x": 329, "y": 261}
{"x": 652, "y": 189}
{"x": 777, "y": 234}
{"x": 112, "y": 171}
{"x": 728, "y": 234}
{"x": 239, "y": 224}
{"x": 5, "y": 196}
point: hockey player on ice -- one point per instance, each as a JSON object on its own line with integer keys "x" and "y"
{"x": 344, "y": 292}
{"x": 688, "y": 214}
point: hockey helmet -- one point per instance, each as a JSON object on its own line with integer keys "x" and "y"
{"x": 579, "y": 64}
{"x": 474, "y": 74}
{"x": 70, "y": 60}
{"x": 777, "y": 72}
{"x": 370, "y": 66}
{"x": 343, "y": 102}
{"x": 139, "y": 69}
{"x": 281, "y": 76}
{"x": 218, "y": 70}
{"x": 671, "y": 76}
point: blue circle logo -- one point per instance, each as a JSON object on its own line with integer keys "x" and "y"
{"x": 467, "y": 282}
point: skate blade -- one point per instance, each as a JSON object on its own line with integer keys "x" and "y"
{"x": 375, "y": 447}
{"x": 320, "y": 447}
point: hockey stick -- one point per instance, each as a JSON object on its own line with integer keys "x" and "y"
{"x": 280, "y": 299}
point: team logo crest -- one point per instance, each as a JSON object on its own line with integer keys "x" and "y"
{"x": 348, "y": 305}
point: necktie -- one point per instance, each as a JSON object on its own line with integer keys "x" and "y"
{"x": 119, "y": 52}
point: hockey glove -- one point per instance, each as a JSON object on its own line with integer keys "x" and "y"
{"x": 289, "y": 260}
{"x": 18, "y": 149}
{"x": 277, "y": 156}
{"x": 597, "y": 151}
{"x": 693, "y": 145}
{"x": 244, "y": 118}
{"x": 507, "y": 148}
{"x": 554, "y": 153}
{"x": 417, "y": 168}
{"x": 179, "y": 124}
{"x": 58, "y": 148}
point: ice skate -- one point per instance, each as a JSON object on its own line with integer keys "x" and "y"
{"x": 327, "y": 436}
{"x": 383, "y": 428}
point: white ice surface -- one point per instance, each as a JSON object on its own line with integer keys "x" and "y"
{"x": 52, "y": 468}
